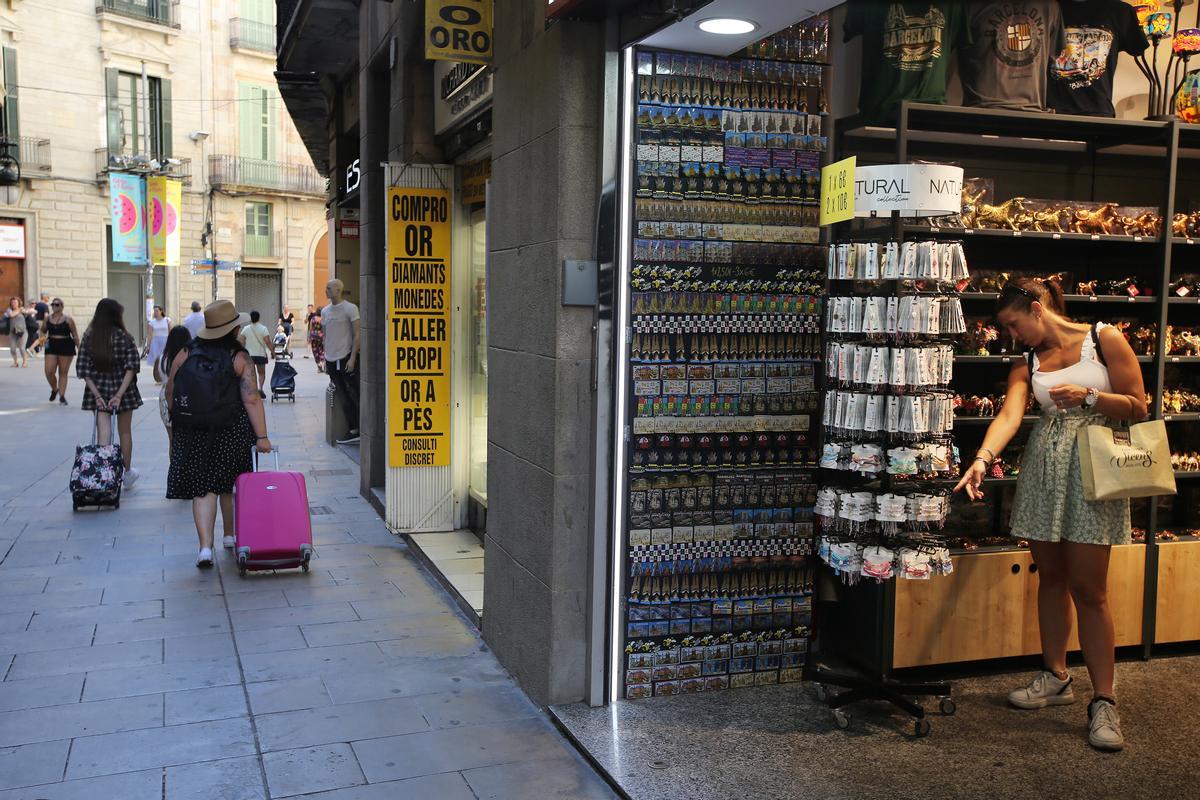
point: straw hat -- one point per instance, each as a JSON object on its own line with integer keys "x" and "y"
{"x": 220, "y": 318}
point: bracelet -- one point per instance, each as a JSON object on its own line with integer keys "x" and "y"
{"x": 986, "y": 463}
{"x": 259, "y": 438}
{"x": 989, "y": 452}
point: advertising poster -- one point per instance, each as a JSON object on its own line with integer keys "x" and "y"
{"x": 164, "y": 197}
{"x": 127, "y": 195}
{"x": 419, "y": 305}
{"x": 458, "y": 30}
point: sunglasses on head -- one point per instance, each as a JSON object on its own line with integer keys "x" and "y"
{"x": 1012, "y": 287}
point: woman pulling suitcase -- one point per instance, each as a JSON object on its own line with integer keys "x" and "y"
{"x": 217, "y": 416}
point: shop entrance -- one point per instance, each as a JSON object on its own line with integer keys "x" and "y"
{"x": 259, "y": 290}
{"x": 477, "y": 479}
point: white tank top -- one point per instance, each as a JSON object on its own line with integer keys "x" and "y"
{"x": 1088, "y": 373}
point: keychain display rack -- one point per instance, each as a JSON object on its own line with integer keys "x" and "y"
{"x": 726, "y": 311}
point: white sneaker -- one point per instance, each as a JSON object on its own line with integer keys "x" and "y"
{"x": 131, "y": 476}
{"x": 351, "y": 439}
{"x": 228, "y": 542}
{"x": 205, "y": 559}
{"x": 1104, "y": 726}
{"x": 1046, "y": 690}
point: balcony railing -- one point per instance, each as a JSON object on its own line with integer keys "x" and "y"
{"x": 248, "y": 34}
{"x": 269, "y": 246}
{"x": 178, "y": 168}
{"x": 235, "y": 171}
{"x": 35, "y": 154}
{"x": 160, "y": 12}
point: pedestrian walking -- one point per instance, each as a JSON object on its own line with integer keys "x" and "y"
{"x": 62, "y": 342}
{"x": 108, "y": 363}
{"x": 177, "y": 341}
{"x": 257, "y": 340}
{"x": 316, "y": 341}
{"x": 218, "y": 417}
{"x": 41, "y": 310}
{"x": 157, "y": 328}
{"x": 32, "y": 345}
{"x": 15, "y": 315}
{"x": 340, "y": 321}
{"x": 194, "y": 321}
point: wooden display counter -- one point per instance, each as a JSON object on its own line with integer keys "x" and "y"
{"x": 1177, "y": 619}
{"x": 988, "y": 607}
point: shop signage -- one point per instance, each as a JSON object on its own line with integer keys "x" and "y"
{"x": 556, "y": 8}
{"x": 353, "y": 176}
{"x": 914, "y": 190}
{"x": 127, "y": 197}
{"x": 467, "y": 97}
{"x": 418, "y": 251}
{"x": 475, "y": 176}
{"x": 837, "y": 191}
{"x": 12, "y": 241}
{"x": 348, "y": 229}
{"x": 164, "y": 200}
{"x": 458, "y": 30}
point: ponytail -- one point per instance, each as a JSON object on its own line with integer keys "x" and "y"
{"x": 1020, "y": 293}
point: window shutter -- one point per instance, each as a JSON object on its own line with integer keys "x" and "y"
{"x": 12, "y": 116}
{"x": 272, "y": 99}
{"x": 112, "y": 91}
{"x": 246, "y": 127}
{"x": 166, "y": 130}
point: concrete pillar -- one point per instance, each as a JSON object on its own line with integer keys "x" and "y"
{"x": 546, "y": 117}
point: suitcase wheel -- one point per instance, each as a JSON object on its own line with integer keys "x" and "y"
{"x": 305, "y": 555}
{"x": 242, "y": 564}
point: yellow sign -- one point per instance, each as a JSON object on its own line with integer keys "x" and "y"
{"x": 418, "y": 251}
{"x": 458, "y": 30}
{"x": 475, "y": 176}
{"x": 164, "y": 199}
{"x": 837, "y": 191}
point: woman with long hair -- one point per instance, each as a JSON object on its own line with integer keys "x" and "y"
{"x": 62, "y": 342}
{"x": 157, "y": 328}
{"x": 1080, "y": 375}
{"x": 15, "y": 314}
{"x": 108, "y": 363}
{"x": 205, "y": 463}
{"x": 177, "y": 341}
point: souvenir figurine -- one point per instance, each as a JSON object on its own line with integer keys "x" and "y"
{"x": 1052, "y": 219}
{"x": 1087, "y": 288}
{"x": 1149, "y": 224}
{"x": 970, "y": 207}
{"x": 1143, "y": 340}
{"x": 1097, "y": 221}
{"x": 1004, "y": 215}
{"x": 1179, "y": 225}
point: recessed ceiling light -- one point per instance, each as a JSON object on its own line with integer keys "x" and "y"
{"x": 727, "y": 26}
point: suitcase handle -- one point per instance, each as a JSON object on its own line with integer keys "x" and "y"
{"x": 254, "y": 454}
{"x": 112, "y": 425}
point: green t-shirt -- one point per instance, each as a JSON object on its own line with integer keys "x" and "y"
{"x": 906, "y": 52}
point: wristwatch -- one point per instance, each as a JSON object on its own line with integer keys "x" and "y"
{"x": 1092, "y": 397}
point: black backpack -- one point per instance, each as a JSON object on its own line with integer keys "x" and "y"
{"x": 206, "y": 394}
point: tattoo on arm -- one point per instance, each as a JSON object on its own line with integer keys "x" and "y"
{"x": 249, "y": 384}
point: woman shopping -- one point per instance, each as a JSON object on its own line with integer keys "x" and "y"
{"x": 62, "y": 342}
{"x": 157, "y": 328}
{"x": 1079, "y": 375}
{"x": 15, "y": 314}
{"x": 210, "y": 450}
{"x": 108, "y": 364}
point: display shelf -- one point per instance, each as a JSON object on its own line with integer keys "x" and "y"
{"x": 965, "y": 420}
{"x": 1018, "y": 357}
{"x": 985, "y": 233}
{"x": 1183, "y": 359}
{"x": 1187, "y": 416}
{"x": 1071, "y": 298}
{"x": 1184, "y": 301}
{"x": 1186, "y": 474}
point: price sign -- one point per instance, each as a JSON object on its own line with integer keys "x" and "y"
{"x": 837, "y": 191}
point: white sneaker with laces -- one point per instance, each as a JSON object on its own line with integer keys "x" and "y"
{"x": 228, "y": 542}
{"x": 131, "y": 476}
{"x": 205, "y": 558}
{"x": 1045, "y": 690}
{"x": 1104, "y": 726}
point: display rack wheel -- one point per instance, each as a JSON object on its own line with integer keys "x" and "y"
{"x": 922, "y": 728}
{"x": 822, "y": 695}
{"x": 947, "y": 706}
{"x": 842, "y": 718}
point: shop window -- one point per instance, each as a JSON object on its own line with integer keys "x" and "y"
{"x": 258, "y": 230}
{"x": 479, "y": 360}
{"x": 130, "y": 133}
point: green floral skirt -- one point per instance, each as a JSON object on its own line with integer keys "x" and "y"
{"x": 1049, "y": 504}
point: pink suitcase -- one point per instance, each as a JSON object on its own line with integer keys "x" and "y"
{"x": 273, "y": 527}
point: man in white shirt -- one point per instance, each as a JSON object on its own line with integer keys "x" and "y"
{"x": 340, "y": 321}
{"x": 257, "y": 340}
{"x": 194, "y": 321}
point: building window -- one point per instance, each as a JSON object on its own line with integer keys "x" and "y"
{"x": 260, "y": 11}
{"x": 11, "y": 115}
{"x": 257, "y": 121}
{"x": 139, "y": 118}
{"x": 258, "y": 230}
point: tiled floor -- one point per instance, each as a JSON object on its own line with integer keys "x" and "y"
{"x": 129, "y": 674}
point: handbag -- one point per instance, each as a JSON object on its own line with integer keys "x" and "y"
{"x": 1123, "y": 462}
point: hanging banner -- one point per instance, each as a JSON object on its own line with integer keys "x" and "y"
{"x": 164, "y": 198}
{"x": 915, "y": 190}
{"x": 418, "y": 252}
{"x": 837, "y": 191}
{"x": 127, "y": 197}
{"x": 458, "y": 30}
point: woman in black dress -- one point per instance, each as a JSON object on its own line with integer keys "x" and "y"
{"x": 62, "y": 341}
{"x": 288, "y": 320}
{"x": 108, "y": 363}
{"x": 206, "y": 463}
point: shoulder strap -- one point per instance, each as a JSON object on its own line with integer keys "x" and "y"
{"x": 1096, "y": 345}
{"x": 1029, "y": 358}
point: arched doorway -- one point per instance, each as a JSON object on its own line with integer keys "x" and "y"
{"x": 320, "y": 269}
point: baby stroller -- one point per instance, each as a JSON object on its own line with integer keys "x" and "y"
{"x": 280, "y": 347}
{"x": 283, "y": 381}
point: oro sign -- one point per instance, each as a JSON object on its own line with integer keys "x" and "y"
{"x": 458, "y": 30}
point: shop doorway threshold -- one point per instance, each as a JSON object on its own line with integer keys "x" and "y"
{"x": 781, "y": 743}
{"x": 456, "y": 559}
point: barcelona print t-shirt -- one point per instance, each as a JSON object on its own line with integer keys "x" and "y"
{"x": 1006, "y": 59}
{"x": 1097, "y": 32}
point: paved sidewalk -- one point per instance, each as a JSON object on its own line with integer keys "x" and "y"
{"x": 129, "y": 674}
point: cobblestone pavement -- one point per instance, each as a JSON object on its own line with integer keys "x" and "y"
{"x": 130, "y": 674}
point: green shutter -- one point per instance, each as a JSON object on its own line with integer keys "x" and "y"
{"x": 166, "y": 131}
{"x": 246, "y": 127}
{"x": 272, "y": 99}
{"x": 12, "y": 116}
{"x": 112, "y": 92}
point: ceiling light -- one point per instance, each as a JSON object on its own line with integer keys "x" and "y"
{"x": 727, "y": 26}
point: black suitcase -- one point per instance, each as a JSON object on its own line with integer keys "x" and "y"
{"x": 98, "y": 471}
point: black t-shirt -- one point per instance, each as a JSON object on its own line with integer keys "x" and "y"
{"x": 42, "y": 310}
{"x": 1097, "y": 31}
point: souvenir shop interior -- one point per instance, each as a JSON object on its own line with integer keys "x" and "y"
{"x": 799, "y": 598}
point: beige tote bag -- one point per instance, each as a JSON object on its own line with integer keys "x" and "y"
{"x": 1125, "y": 462}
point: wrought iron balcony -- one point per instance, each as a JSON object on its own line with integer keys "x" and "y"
{"x": 248, "y": 34}
{"x": 159, "y": 12}
{"x": 178, "y": 168}
{"x": 271, "y": 246}
{"x": 35, "y": 155}
{"x": 236, "y": 172}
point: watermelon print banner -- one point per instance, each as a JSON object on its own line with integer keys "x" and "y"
{"x": 127, "y": 194}
{"x": 164, "y": 197}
